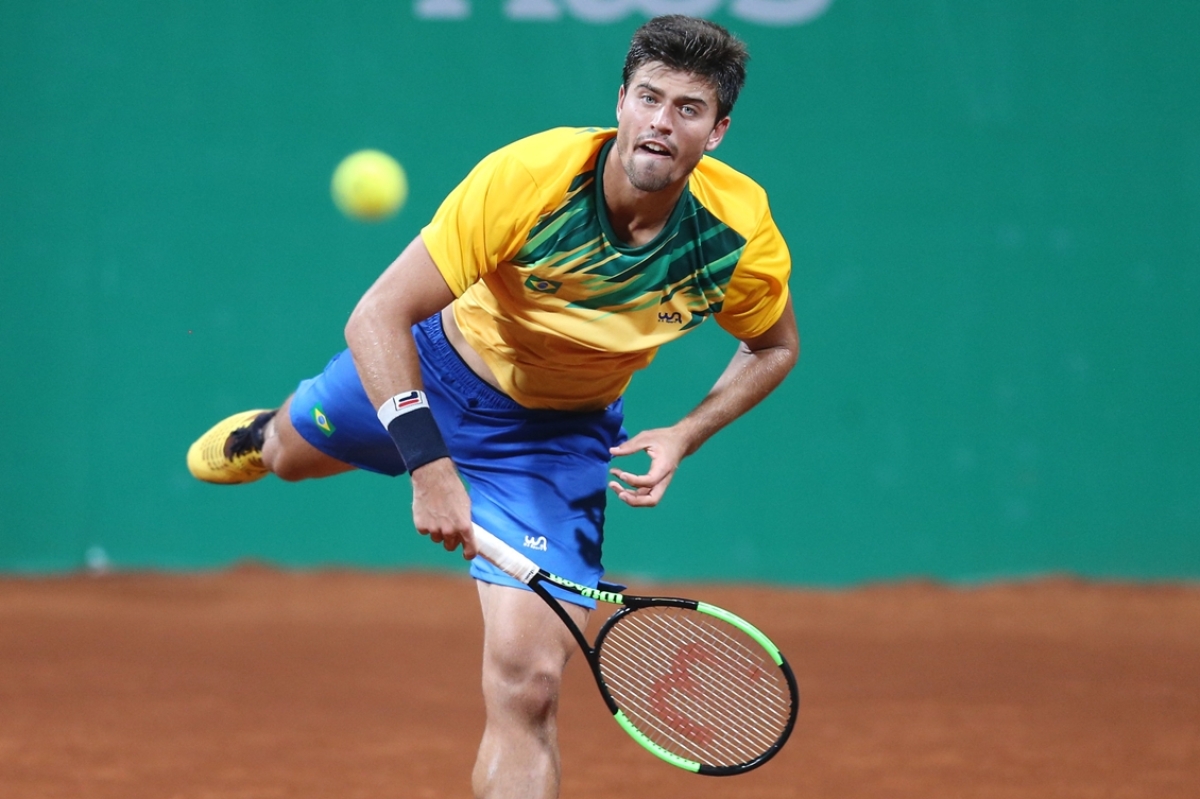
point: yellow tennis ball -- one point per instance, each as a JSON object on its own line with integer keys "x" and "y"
{"x": 369, "y": 185}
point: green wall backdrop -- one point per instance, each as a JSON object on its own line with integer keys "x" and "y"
{"x": 994, "y": 211}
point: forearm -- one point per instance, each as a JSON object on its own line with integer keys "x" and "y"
{"x": 748, "y": 378}
{"x": 759, "y": 365}
{"x": 379, "y": 334}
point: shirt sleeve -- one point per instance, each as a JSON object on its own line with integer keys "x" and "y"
{"x": 758, "y": 290}
{"x": 482, "y": 222}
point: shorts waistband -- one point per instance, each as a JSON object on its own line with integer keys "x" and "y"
{"x": 477, "y": 391}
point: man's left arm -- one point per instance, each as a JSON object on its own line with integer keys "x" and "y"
{"x": 759, "y": 365}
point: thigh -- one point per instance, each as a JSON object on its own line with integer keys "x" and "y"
{"x": 289, "y": 456}
{"x": 523, "y": 637}
{"x": 332, "y": 413}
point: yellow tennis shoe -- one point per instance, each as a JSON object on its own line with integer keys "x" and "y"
{"x": 231, "y": 451}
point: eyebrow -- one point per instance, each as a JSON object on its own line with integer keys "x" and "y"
{"x": 685, "y": 100}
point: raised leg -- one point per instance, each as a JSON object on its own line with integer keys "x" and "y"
{"x": 288, "y": 456}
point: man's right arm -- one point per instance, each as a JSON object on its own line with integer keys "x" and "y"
{"x": 379, "y": 334}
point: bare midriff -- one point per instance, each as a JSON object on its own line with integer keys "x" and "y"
{"x": 470, "y": 357}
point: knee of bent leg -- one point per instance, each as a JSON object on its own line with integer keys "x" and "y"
{"x": 290, "y": 475}
{"x": 525, "y": 684}
{"x": 289, "y": 457}
{"x": 286, "y": 467}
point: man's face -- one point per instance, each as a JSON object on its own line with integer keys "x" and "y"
{"x": 666, "y": 121}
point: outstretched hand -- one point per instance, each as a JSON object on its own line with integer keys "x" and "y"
{"x": 666, "y": 447}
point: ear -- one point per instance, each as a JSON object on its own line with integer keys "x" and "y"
{"x": 620, "y": 100}
{"x": 718, "y": 133}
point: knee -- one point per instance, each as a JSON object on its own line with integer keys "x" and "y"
{"x": 284, "y": 463}
{"x": 285, "y": 469}
{"x": 522, "y": 687}
{"x": 289, "y": 457}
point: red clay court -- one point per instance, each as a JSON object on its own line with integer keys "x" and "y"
{"x": 341, "y": 685}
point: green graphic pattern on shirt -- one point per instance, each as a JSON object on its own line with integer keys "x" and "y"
{"x": 687, "y": 266}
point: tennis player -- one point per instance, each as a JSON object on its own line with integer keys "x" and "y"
{"x": 498, "y": 345}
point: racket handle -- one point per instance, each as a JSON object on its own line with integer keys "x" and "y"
{"x": 505, "y": 558}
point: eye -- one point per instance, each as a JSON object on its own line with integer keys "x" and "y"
{"x": 648, "y": 99}
{"x": 689, "y": 111}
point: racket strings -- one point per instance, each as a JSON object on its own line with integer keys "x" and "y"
{"x": 698, "y": 706}
{"x": 726, "y": 693}
{"x": 692, "y": 725}
{"x": 695, "y": 685}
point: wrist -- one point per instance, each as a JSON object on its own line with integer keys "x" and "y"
{"x": 435, "y": 463}
{"x": 409, "y": 421}
{"x": 690, "y": 434}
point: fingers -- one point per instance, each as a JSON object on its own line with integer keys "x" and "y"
{"x": 628, "y": 448}
{"x": 648, "y": 480}
{"x": 644, "y": 497}
{"x": 640, "y": 490}
{"x": 468, "y": 544}
{"x": 646, "y": 490}
{"x": 451, "y": 539}
{"x": 441, "y": 507}
{"x": 636, "y": 497}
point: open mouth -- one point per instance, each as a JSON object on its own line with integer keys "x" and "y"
{"x": 654, "y": 148}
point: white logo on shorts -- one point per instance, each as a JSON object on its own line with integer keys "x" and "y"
{"x": 538, "y": 543}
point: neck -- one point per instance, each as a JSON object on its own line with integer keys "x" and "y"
{"x": 636, "y": 216}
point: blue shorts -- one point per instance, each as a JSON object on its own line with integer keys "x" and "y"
{"x": 537, "y": 478}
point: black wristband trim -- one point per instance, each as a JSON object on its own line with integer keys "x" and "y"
{"x": 417, "y": 437}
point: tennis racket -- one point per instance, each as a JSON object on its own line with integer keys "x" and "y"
{"x": 694, "y": 684}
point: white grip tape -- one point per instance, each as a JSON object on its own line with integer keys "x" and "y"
{"x": 507, "y": 559}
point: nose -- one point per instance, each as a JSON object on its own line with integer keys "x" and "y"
{"x": 662, "y": 118}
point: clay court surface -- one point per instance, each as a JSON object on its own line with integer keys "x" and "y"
{"x": 336, "y": 685}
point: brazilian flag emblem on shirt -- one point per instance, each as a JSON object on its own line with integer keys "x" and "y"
{"x": 322, "y": 420}
{"x": 541, "y": 285}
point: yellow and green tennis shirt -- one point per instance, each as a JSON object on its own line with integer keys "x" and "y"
{"x": 561, "y": 310}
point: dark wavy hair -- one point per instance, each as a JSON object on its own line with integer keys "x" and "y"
{"x": 688, "y": 44}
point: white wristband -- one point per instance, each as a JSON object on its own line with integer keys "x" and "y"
{"x": 401, "y": 404}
